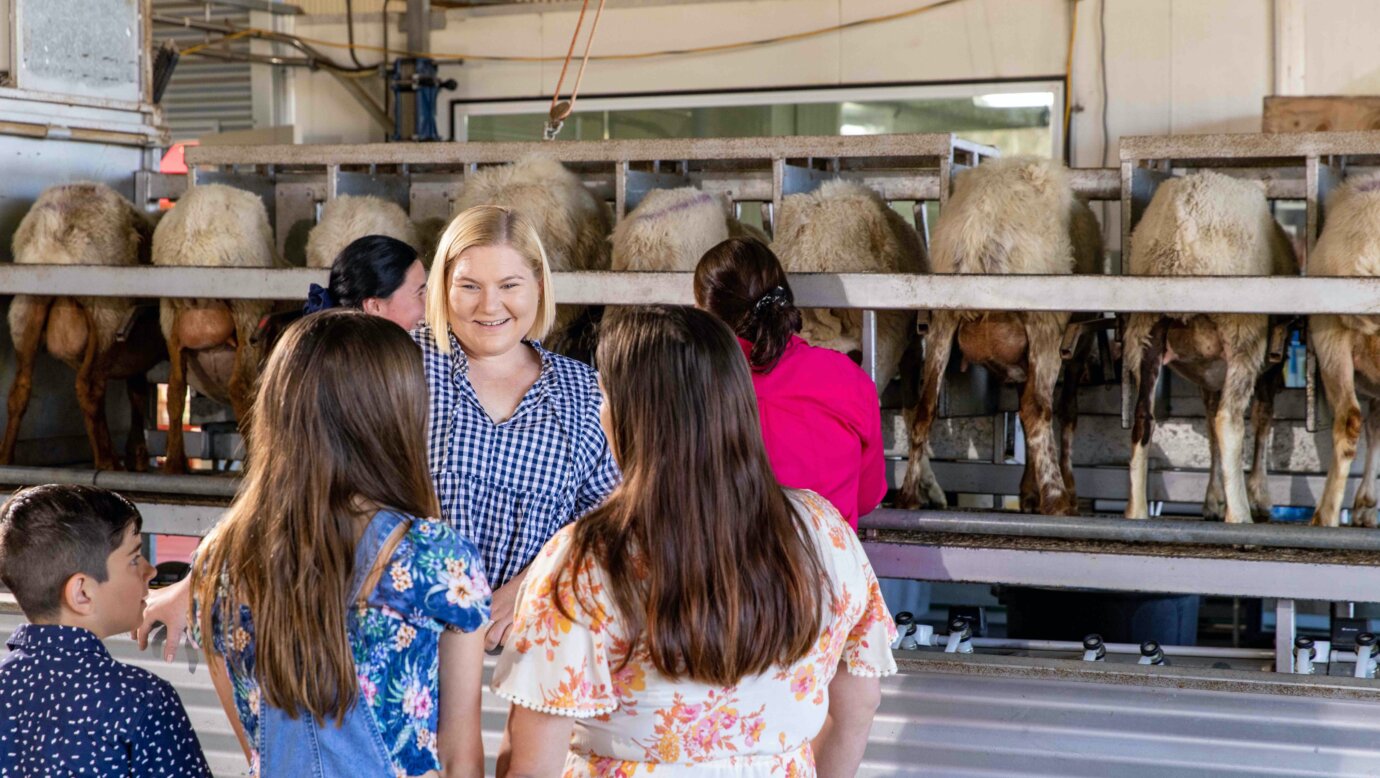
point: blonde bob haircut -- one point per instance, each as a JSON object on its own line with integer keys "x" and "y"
{"x": 486, "y": 225}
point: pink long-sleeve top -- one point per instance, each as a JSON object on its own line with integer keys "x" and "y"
{"x": 822, "y": 426}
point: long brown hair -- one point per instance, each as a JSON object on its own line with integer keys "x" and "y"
{"x": 339, "y": 423}
{"x": 742, "y": 282}
{"x": 708, "y": 563}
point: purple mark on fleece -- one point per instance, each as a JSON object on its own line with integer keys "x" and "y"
{"x": 697, "y": 200}
{"x": 1371, "y": 184}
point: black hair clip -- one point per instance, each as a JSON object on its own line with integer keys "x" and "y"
{"x": 777, "y": 297}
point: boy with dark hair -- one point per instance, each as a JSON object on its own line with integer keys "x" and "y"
{"x": 71, "y": 555}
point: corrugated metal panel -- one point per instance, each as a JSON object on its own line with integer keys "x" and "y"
{"x": 953, "y": 724}
{"x": 205, "y": 95}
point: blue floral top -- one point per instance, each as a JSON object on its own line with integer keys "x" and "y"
{"x": 432, "y": 581}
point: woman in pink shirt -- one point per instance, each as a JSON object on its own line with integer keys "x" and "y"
{"x": 820, "y": 417}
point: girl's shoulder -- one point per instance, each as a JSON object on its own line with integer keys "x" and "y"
{"x": 436, "y": 572}
{"x": 431, "y": 534}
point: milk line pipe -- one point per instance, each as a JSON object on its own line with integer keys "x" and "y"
{"x": 1174, "y": 531}
{"x": 155, "y": 483}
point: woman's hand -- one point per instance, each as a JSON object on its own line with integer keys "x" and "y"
{"x": 502, "y": 607}
{"x": 168, "y": 605}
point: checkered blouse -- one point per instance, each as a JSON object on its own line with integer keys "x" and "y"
{"x": 510, "y": 486}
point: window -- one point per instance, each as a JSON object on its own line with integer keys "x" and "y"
{"x": 1015, "y": 117}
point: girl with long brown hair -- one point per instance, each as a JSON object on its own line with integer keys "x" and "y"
{"x": 341, "y": 625}
{"x": 704, "y": 620}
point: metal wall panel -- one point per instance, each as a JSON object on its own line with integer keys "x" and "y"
{"x": 205, "y": 95}
{"x": 88, "y": 48}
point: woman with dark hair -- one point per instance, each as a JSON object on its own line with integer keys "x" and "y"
{"x": 378, "y": 275}
{"x": 703, "y": 620}
{"x": 820, "y": 418}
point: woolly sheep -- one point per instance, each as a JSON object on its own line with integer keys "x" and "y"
{"x": 1009, "y": 216}
{"x": 1207, "y": 224}
{"x": 350, "y": 217}
{"x": 843, "y": 227}
{"x": 1348, "y": 347}
{"x": 210, "y": 341}
{"x": 84, "y": 224}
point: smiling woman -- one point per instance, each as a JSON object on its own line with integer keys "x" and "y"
{"x": 514, "y": 441}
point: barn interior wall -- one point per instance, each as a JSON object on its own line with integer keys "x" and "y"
{"x": 1181, "y": 66}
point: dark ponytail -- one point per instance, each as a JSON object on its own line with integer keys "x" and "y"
{"x": 742, "y": 282}
{"x": 371, "y": 266}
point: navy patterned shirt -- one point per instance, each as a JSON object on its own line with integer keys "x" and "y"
{"x": 68, "y": 708}
{"x": 510, "y": 486}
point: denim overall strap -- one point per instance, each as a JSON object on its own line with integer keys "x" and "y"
{"x": 298, "y": 747}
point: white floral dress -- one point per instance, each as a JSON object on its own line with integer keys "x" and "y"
{"x": 633, "y": 720}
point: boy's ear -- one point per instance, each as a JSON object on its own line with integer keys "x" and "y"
{"x": 76, "y": 594}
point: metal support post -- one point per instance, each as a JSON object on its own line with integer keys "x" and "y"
{"x": 1285, "y": 611}
{"x": 869, "y": 344}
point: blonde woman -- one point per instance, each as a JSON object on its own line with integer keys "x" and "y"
{"x": 513, "y": 437}
{"x": 514, "y": 442}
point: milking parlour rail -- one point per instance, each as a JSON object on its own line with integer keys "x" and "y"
{"x": 1289, "y": 563}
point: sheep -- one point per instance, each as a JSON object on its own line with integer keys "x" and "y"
{"x": 85, "y": 224}
{"x": 1009, "y": 216}
{"x": 209, "y": 341}
{"x": 573, "y": 225}
{"x": 1207, "y": 224}
{"x": 347, "y": 218}
{"x": 672, "y": 228}
{"x": 844, "y": 227}
{"x": 1348, "y": 347}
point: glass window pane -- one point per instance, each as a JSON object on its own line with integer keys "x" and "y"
{"x": 1014, "y": 122}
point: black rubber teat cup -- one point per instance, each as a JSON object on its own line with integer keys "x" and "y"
{"x": 1366, "y": 644}
{"x": 1094, "y": 650}
{"x": 1151, "y": 653}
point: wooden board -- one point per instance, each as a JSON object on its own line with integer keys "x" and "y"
{"x": 1316, "y": 114}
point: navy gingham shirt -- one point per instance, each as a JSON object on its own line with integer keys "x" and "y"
{"x": 68, "y": 708}
{"x": 509, "y": 487}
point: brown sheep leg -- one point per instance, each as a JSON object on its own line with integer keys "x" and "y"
{"x": 1262, "y": 424}
{"x": 27, "y": 332}
{"x": 136, "y": 443}
{"x": 1363, "y": 509}
{"x": 920, "y": 487}
{"x": 1067, "y": 412}
{"x": 1030, "y": 484}
{"x": 175, "y": 460}
{"x": 242, "y": 380}
{"x": 1332, "y": 343}
{"x": 1037, "y": 418}
{"x": 91, "y": 383}
{"x": 1144, "y": 353}
{"x": 1242, "y": 371}
{"x": 1215, "y": 503}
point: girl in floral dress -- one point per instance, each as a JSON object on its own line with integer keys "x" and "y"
{"x": 704, "y": 620}
{"x": 343, "y": 629}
